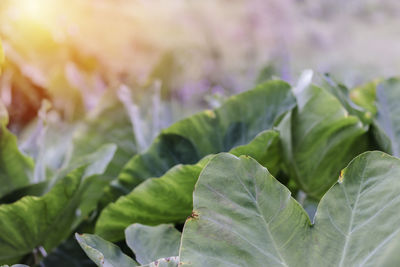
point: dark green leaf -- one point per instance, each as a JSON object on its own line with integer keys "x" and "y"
{"x": 235, "y": 123}
{"x": 168, "y": 199}
{"x": 319, "y": 138}
{"x": 46, "y": 221}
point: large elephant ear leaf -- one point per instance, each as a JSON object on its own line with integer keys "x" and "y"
{"x": 319, "y": 138}
{"x": 244, "y": 217}
{"x": 388, "y": 110}
{"x": 16, "y": 169}
{"x": 45, "y": 221}
{"x": 103, "y": 253}
{"x": 365, "y": 200}
{"x": 150, "y": 243}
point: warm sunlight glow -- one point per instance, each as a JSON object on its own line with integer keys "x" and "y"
{"x": 35, "y": 9}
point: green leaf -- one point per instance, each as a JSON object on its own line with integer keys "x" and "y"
{"x": 16, "y": 169}
{"x": 235, "y": 123}
{"x": 342, "y": 93}
{"x": 244, "y": 217}
{"x": 319, "y": 138}
{"x": 168, "y": 199}
{"x": 387, "y": 118}
{"x": 46, "y": 221}
{"x": 102, "y": 252}
{"x": 150, "y": 243}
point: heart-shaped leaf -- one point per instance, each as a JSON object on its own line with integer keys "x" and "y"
{"x": 244, "y": 217}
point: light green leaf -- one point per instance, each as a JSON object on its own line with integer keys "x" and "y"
{"x": 235, "y": 123}
{"x": 168, "y": 199}
{"x": 16, "y": 169}
{"x": 46, "y": 221}
{"x": 244, "y": 217}
{"x": 365, "y": 95}
{"x": 319, "y": 138}
{"x": 103, "y": 253}
{"x": 150, "y": 243}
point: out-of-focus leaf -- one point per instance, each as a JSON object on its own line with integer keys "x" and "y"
{"x": 108, "y": 123}
{"x": 319, "y": 138}
{"x": 103, "y": 253}
{"x": 66, "y": 97}
{"x": 266, "y": 73}
{"x": 387, "y": 117}
{"x": 365, "y": 95}
{"x": 150, "y": 243}
{"x": 342, "y": 93}
{"x": 46, "y": 221}
{"x": 235, "y": 123}
{"x": 16, "y": 169}
{"x": 1, "y": 57}
{"x": 244, "y": 217}
{"x": 168, "y": 199}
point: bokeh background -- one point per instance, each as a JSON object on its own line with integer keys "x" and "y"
{"x": 179, "y": 56}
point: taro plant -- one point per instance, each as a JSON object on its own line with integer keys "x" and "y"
{"x": 243, "y": 216}
{"x": 234, "y": 179}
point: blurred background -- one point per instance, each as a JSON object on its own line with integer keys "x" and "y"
{"x": 163, "y": 60}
